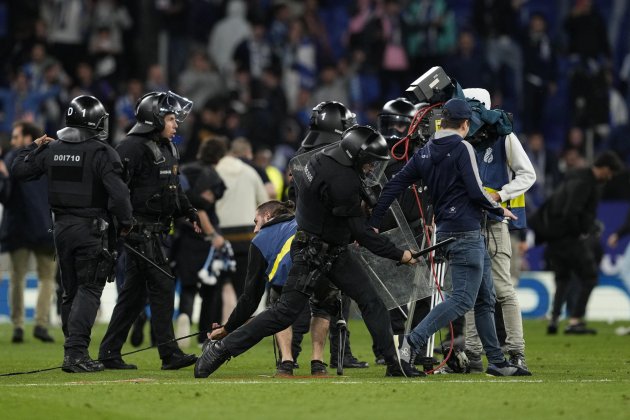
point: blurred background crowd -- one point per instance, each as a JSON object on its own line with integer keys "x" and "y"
{"x": 256, "y": 68}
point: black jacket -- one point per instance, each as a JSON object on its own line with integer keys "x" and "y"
{"x": 26, "y": 219}
{"x": 152, "y": 168}
{"x": 330, "y": 207}
{"x": 32, "y": 162}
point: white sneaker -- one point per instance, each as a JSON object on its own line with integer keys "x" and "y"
{"x": 622, "y": 331}
{"x": 182, "y": 330}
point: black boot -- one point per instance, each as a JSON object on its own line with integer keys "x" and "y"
{"x": 213, "y": 356}
{"x": 81, "y": 364}
{"x": 178, "y": 360}
{"x": 41, "y": 333}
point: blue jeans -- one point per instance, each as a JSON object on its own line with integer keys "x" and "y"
{"x": 471, "y": 274}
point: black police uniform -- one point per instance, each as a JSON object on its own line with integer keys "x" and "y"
{"x": 157, "y": 198}
{"x": 329, "y": 217}
{"x": 85, "y": 189}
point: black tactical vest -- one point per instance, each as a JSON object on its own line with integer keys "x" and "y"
{"x": 156, "y": 192}
{"x": 71, "y": 178}
{"x": 316, "y": 213}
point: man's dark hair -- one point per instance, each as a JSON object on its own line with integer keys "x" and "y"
{"x": 212, "y": 150}
{"x": 453, "y": 124}
{"x": 610, "y": 160}
{"x": 277, "y": 208}
{"x": 29, "y": 129}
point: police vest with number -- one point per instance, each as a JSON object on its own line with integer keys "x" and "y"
{"x": 494, "y": 172}
{"x": 71, "y": 178}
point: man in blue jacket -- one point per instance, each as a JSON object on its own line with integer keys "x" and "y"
{"x": 25, "y": 231}
{"x": 448, "y": 166}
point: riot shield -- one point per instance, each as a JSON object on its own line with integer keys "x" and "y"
{"x": 397, "y": 285}
{"x": 297, "y": 165}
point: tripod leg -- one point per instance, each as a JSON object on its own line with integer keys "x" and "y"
{"x": 341, "y": 327}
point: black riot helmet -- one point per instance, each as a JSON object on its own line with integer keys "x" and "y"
{"x": 360, "y": 145}
{"x": 86, "y": 118}
{"x": 154, "y": 106}
{"x": 328, "y": 122}
{"x": 395, "y": 118}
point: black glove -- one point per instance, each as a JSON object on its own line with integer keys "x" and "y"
{"x": 126, "y": 226}
{"x": 192, "y": 216}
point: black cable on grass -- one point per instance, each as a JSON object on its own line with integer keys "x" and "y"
{"x": 99, "y": 360}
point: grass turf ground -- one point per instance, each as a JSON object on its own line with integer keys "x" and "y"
{"x": 574, "y": 378}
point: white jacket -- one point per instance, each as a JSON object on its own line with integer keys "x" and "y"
{"x": 245, "y": 192}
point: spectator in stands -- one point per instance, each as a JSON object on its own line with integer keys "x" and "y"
{"x": 540, "y": 71}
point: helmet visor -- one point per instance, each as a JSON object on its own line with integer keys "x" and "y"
{"x": 393, "y": 126}
{"x": 104, "y": 127}
{"x": 373, "y": 171}
{"x": 172, "y": 103}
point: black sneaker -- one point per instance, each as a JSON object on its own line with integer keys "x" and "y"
{"x": 406, "y": 352}
{"x": 213, "y": 356}
{"x": 404, "y": 370}
{"x": 41, "y": 333}
{"x": 518, "y": 359}
{"x": 118, "y": 364}
{"x": 81, "y": 364}
{"x": 350, "y": 362}
{"x": 380, "y": 360}
{"x": 506, "y": 369}
{"x": 284, "y": 368}
{"x": 579, "y": 329}
{"x": 318, "y": 368}
{"x": 18, "y": 335}
{"x": 178, "y": 360}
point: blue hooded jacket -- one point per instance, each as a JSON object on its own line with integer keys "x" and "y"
{"x": 448, "y": 167}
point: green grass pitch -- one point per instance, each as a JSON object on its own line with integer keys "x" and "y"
{"x": 574, "y": 378}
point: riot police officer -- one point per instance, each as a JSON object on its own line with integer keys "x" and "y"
{"x": 87, "y": 195}
{"x": 329, "y": 119}
{"x": 151, "y": 162}
{"x": 328, "y": 122}
{"x": 329, "y": 217}
{"x": 394, "y": 121}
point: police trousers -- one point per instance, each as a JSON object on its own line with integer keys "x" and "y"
{"x": 78, "y": 245}
{"x": 345, "y": 273}
{"x": 141, "y": 281}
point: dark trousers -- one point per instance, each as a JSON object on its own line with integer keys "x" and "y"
{"x": 78, "y": 246}
{"x": 141, "y": 281}
{"x": 211, "y": 306}
{"x": 567, "y": 257}
{"x": 348, "y": 275}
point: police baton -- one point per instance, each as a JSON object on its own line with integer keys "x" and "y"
{"x": 148, "y": 260}
{"x": 430, "y": 248}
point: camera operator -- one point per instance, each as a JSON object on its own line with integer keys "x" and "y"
{"x": 151, "y": 161}
{"x": 448, "y": 167}
{"x": 85, "y": 192}
{"x": 329, "y": 218}
{"x": 506, "y": 174}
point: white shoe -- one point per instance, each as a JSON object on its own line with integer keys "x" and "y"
{"x": 622, "y": 331}
{"x": 183, "y": 329}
